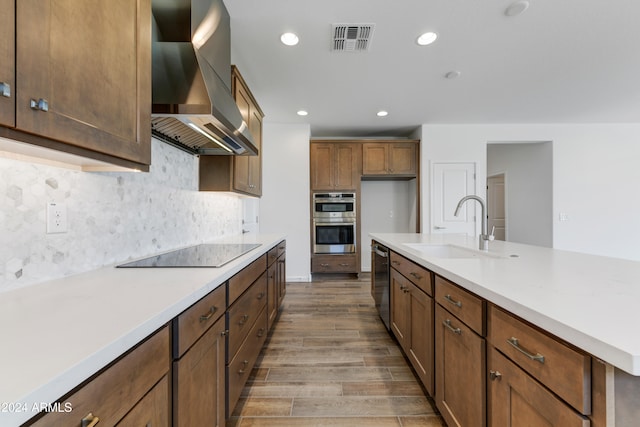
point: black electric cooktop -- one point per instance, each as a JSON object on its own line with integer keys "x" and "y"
{"x": 205, "y": 255}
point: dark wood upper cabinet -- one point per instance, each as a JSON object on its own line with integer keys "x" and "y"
{"x": 85, "y": 78}
{"x": 7, "y": 64}
{"x": 389, "y": 158}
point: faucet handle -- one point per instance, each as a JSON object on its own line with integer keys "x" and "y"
{"x": 491, "y": 235}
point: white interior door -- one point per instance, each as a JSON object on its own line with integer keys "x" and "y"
{"x": 450, "y": 183}
{"x": 497, "y": 212}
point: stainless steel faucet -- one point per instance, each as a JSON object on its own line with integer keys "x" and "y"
{"x": 484, "y": 237}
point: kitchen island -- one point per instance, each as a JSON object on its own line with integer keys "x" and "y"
{"x": 57, "y": 334}
{"x": 589, "y": 302}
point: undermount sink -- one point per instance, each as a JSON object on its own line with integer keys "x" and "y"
{"x": 448, "y": 251}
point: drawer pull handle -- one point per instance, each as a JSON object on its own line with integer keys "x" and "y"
{"x": 244, "y": 319}
{"x": 394, "y": 262}
{"x": 324, "y": 265}
{"x": 495, "y": 375}
{"x": 452, "y": 301}
{"x": 416, "y": 275}
{"x": 515, "y": 344}
{"x": 447, "y": 324}
{"x": 209, "y": 315}
{"x": 90, "y": 420}
{"x": 244, "y": 365}
{"x": 260, "y": 333}
{"x": 260, "y": 296}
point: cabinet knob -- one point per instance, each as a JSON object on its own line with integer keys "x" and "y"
{"x": 495, "y": 375}
{"x": 40, "y": 104}
{"x": 5, "y": 89}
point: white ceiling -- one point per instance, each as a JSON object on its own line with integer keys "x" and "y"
{"x": 561, "y": 61}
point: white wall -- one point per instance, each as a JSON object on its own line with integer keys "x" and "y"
{"x": 595, "y": 177}
{"x": 528, "y": 170}
{"x": 386, "y": 208}
{"x": 112, "y": 216}
{"x": 284, "y": 206}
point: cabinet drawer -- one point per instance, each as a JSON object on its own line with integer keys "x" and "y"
{"x": 566, "y": 371}
{"x": 117, "y": 389}
{"x": 464, "y": 305}
{"x": 240, "y": 367}
{"x": 276, "y": 251}
{"x": 243, "y": 313}
{"x": 516, "y": 398}
{"x": 241, "y": 281}
{"x": 194, "y": 321}
{"x": 418, "y": 275}
{"x": 334, "y": 264}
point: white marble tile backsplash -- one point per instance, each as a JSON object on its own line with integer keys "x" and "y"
{"x": 112, "y": 216}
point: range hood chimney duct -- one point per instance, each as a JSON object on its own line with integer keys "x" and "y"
{"x": 193, "y": 108}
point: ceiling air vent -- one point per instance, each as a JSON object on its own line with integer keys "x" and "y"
{"x": 352, "y": 37}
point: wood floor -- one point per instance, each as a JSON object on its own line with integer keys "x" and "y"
{"x": 329, "y": 361}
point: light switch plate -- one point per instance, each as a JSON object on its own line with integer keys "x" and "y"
{"x": 56, "y": 218}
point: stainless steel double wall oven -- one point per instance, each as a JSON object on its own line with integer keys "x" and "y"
{"x": 334, "y": 223}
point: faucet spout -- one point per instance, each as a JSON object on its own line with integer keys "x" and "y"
{"x": 484, "y": 237}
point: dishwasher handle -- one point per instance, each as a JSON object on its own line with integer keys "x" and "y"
{"x": 378, "y": 251}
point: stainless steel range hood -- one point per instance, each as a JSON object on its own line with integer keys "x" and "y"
{"x": 192, "y": 104}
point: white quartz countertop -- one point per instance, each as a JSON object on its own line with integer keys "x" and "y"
{"x": 592, "y": 302}
{"x": 57, "y": 334}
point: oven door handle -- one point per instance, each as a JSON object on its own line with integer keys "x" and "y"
{"x": 335, "y": 223}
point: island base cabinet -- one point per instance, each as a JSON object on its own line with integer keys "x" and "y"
{"x": 199, "y": 381}
{"x": 517, "y": 400}
{"x": 460, "y": 372}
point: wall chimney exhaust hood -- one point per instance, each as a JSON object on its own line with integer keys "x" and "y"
{"x": 193, "y": 108}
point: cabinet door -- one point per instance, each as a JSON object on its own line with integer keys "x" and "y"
{"x": 421, "y": 335}
{"x": 199, "y": 381}
{"x": 402, "y": 158}
{"x": 347, "y": 174}
{"x": 460, "y": 372}
{"x": 241, "y": 163}
{"x": 255, "y": 162}
{"x": 517, "y": 400}
{"x": 400, "y": 315}
{"x": 7, "y": 64}
{"x": 322, "y": 166}
{"x": 282, "y": 279}
{"x": 152, "y": 410}
{"x": 87, "y": 68}
{"x": 374, "y": 158}
{"x": 272, "y": 292}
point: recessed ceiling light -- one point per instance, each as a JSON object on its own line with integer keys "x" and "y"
{"x": 427, "y": 38}
{"x": 382, "y": 113}
{"x": 515, "y": 9}
{"x": 289, "y": 39}
{"x": 452, "y": 74}
{"x": 302, "y": 113}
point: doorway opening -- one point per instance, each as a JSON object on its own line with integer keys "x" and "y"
{"x": 528, "y": 199}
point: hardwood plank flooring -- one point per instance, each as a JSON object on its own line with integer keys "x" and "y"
{"x": 329, "y": 361}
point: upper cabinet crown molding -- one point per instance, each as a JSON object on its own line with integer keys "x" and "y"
{"x": 92, "y": 103}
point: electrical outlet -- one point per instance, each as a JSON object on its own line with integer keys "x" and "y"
{"x": 56, "y": 218}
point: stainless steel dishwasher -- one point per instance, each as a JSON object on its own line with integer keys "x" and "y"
{"x": 380, "y": 280}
